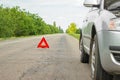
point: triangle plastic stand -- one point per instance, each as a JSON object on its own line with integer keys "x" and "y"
{"x": 43, "y": 41}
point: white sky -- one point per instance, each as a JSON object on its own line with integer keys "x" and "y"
{"x": 63, "y": 12}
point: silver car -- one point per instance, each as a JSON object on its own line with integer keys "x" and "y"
{"x": 100, "y": 38}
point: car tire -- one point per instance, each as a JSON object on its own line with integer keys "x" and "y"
{"x": 98, "y": 73}
{"x": 84, "y": 58}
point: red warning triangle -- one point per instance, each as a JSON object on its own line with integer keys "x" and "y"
{"x": 43, "y": 44}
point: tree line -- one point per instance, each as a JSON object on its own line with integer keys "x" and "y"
{"x": 18, "y": 22}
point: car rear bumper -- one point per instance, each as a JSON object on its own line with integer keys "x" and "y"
{"x": 109, "y": 49}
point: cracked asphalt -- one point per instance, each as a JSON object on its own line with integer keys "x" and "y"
{"x": 20, "y": 59}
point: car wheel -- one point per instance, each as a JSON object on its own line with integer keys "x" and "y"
{"x": 84, "y": 58}
{"x": 97, "y": 72}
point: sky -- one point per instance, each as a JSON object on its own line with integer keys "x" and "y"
{"x": 63, "y": 12}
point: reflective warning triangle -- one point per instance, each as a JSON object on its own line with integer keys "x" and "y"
{"x": 43, "y": 44}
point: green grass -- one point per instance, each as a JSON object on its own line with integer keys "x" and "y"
{"x": 6, "y": 38}
{"x": 77, "y": 36}
{"x": 12, "y": 38}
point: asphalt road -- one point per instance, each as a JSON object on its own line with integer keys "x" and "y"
{"x": 20, "y": 59}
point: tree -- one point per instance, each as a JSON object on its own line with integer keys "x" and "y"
{"x": 54, "y": 23}
{"x": 60, "y": 30}
{"x": 71, "y": 28}
{"x": 17, "y": 22}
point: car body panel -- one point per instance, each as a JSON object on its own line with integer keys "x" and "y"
{"x": 100, "y": 20}
{"x": 107, "y": 39}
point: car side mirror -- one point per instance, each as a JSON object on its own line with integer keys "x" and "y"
{"x": 92, "y": 3}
